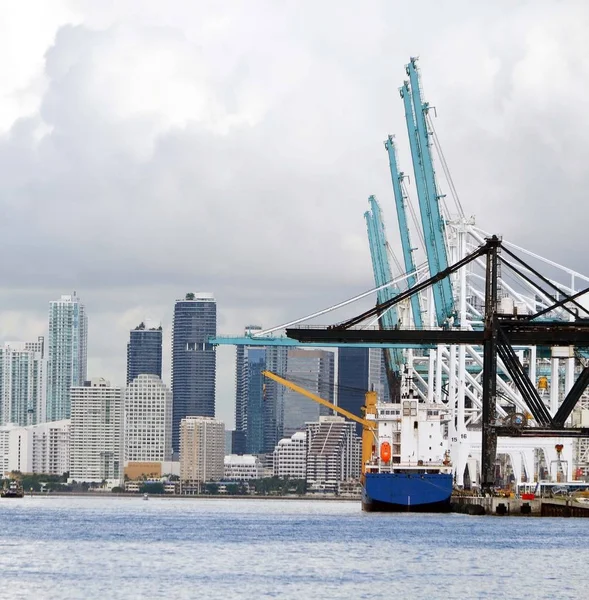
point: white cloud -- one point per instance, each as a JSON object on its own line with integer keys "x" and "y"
{"x": 149, "y": 150}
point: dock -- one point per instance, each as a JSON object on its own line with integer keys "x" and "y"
{"x": 517, "y": 507}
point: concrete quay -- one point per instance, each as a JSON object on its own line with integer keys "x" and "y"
{"x": 518, "y": 507}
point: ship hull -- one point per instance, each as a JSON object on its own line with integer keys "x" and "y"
{"x": 407, "y": 492}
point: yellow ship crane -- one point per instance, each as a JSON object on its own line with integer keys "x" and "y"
{"x": 368, "y": 422}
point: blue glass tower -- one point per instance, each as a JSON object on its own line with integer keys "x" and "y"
{"x": 359, "y": 370}
{"x": 193, "y": 360}
{"x": 255, "y": 400}
{"x": 258, "y": 401}
{"x": 144, "y": 352}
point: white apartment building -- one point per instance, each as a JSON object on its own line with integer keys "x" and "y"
{"x": 333, "y": 453}
{"x": 42, "y": 448}
{"x": 67, "y": 350}
{"x": 202, "y": 449}
{"x": 23, "y": 370}
{"x": 242, "y": 467}
{"x": 148, "y": 420}
{"x": 290, "y": 457}
{"x": 96, "y": 437}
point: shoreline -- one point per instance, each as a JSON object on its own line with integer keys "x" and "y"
{"x": 139, "y": 496}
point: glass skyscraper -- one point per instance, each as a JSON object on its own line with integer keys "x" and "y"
{"x": 359, "y": 370}
{"x": 313, "y": 370}
{"x": 193, "y": 360}
{"x": 67, "y": 352}
{"x": 258, "y": 401}
{"x": 144, "y": 351}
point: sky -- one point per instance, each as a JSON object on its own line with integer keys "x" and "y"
{"x": 149, "y": 149}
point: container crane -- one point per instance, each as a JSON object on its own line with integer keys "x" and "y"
{"x": 368, "y": 423}
{"x": 382, "y": 274}
{"x": 400, "y": 203}
{"x": 431, "y": 218}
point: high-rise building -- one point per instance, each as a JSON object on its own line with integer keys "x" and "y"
{"x": 290, "y": 457}
{"x": 193, "y": 360}
{"x": 144, "y": 351}
{"x": 148, "y": 420}
{"x": 67, "y": 352}
{"x": 242, "y": 360}
{"x": 258, "y": 401}
{"x": 96, "y": 435}
{"x": 276, "y": 361}
{"x": 202, "y": 449}
{"x": 23, "y": 371}
{"x": 313, "y": 370}
{"x": 359, "y": 370}
{"x": 333, "y": 453}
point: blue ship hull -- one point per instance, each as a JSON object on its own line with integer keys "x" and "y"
{"x": 408, "y": 492}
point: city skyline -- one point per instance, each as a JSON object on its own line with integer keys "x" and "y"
{"x": 275, "y": 360}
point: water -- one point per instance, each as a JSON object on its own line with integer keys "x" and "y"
{"x": 91, "y": 547}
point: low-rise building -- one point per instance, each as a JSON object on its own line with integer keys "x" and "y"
{"x": 242, "y": 467}
{"x": 290, "y": 457}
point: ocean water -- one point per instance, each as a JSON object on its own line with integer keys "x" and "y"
{"x": 61, "y": 547}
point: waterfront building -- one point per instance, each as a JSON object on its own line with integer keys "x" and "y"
{"x": 242, "y": 467}
{"x": 333, "y": 454}
{"x": 41, "y": 448}
{"x": 96, "y": 446}
{"x": 359, "y": 370}
{"x": 202, "y": 449}
{"x": 193, "y": 360}
{"x": 147, "y": 420}
{"x": 313, "y": 370}
{"x": 67, "y": 351}
{"x": 51, "y": 447}
{"x": 290, "y": 457}
{"x": 144, "y": 351}
{"x": 23, "y": 371}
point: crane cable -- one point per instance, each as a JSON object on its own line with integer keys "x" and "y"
{"x": 445, "y": 168}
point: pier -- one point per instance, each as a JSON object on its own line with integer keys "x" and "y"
{"x": 517, "y": 507}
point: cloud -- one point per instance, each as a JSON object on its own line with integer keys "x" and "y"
{"x": 231, "y": 148}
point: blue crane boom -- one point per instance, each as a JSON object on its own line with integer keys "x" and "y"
{"x": 382, "y": 274}
{"x": 400, "y": 202}
{"x": 431, "y": 218}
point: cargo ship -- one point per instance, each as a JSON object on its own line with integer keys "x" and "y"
{"x": 409, "y": 467}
